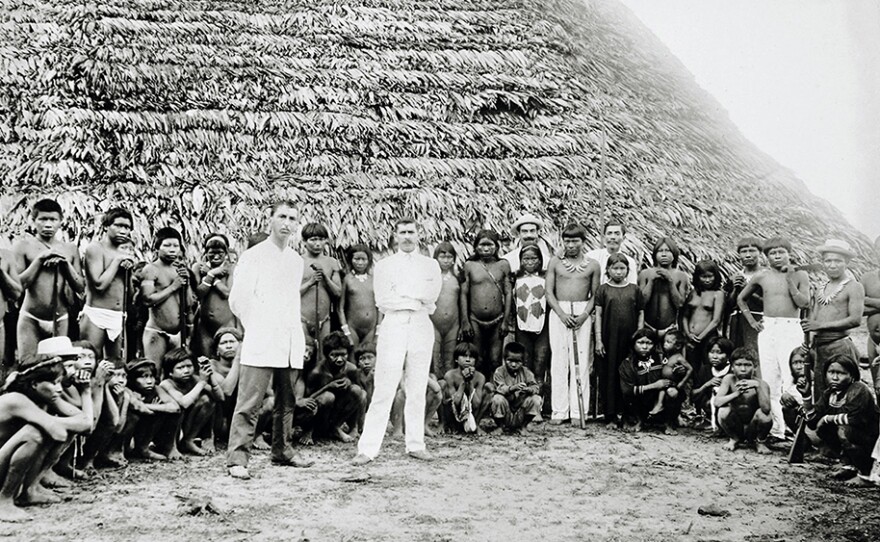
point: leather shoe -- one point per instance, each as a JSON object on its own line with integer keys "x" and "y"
{"x": 421, "y": 455}
{"x": 360, "y": 459}
{"x": 295, "y": 461}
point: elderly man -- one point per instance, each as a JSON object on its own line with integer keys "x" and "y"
{"x": 613, "y": 234}
{"x": 265, "y": 298}
{"x": 406, "y": 286}
{"x": 527, "y": 230}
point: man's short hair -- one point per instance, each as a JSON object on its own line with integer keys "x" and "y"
{"x": 613, "y": 221}
{"x": 744, "y": 352}
{"x": 115, "y": 213}
{"x": 513, "y": 348}
{"x": 576, "y": 231}
{"x": 163, "y": 234}
{"x": 404, "y": 220}
{"x": 749, "y": 241}
{"x": 46, "y": 206}
{"x": 335, "y": 341}
{"x": 228, "y": 330}
{"x": 279, "y": 204}
{"x": 314, "y": 229}
{"x": 776, "y": 242}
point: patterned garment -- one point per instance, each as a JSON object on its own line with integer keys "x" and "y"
{"x": 530, "y": 301}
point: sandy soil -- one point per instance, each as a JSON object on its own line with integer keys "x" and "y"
{"x": 557, "y": 483}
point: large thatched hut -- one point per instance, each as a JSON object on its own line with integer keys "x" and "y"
{"x": 461, "y": 112}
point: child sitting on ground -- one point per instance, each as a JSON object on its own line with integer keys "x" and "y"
{"x": 465, "y": 393}
{"x": 191, "y": 386}
{"x": 846, "y": 418}
{"x": 365, "y": 360}
{"x": 641, "y": 381}
{"x": 715, "y": 368}
{"x": 517, "y": 400}
{"x": 675, "y": 367}
{"x": 792, "y": 403}
{"x": 743, "y": 403}
{"x": 153, "y": 415}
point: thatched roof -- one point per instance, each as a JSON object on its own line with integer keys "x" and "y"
{"x": 461, "y": 112}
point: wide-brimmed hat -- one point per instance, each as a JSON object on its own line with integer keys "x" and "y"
{"x": 57, "y": 347}
{"x": 837, "y": 246}
{"x": 527, "y": 218}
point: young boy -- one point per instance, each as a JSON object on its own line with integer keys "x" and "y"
{"x": 165, "y": 290}
{"x": 321, "y": 283}
{"x": 571, "y": 283}
{"x": 193, "y": 388}
{"x": 517, "y": 399}
{"x": 213, "y": 277}
{"x": 743, "y": 403}
{"x": 465, "y": 392}
{"x": 50, "y": 274}
{"x": 785, "y": 291}
{"x": 365, "y": 360}
{"x": 10, "y": 293}
{"x": 153, "y": 415}
{"x": 664, "y": 287}
{"x": 738, "y": 329}
{"x": 433, "y": 399}
{"x": 335, "y": 403}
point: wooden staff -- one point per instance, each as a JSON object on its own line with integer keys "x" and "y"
{"x": 577, "y": 375}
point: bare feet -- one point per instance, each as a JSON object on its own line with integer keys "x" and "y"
{"x": 208, "y": 446}
{"x": 52, "y": 479}
{"x": 306, "y": 438}
{"x": 12, "y": 514}
{"x": 260, "y": 443}
{"x": 762, "y": 448}
{"x": 342, "y": 436}
{"x": 174, "y": 454}
{"x": 397, "y": 434}
{"x": 859, "y": 481}
{"x": 113, "y": 460}
{"x": 844, "y": 473}
{"x": 147, "y": 455}
{"x": 731, "y": 445}
{"x": 429, "y": 432}
{"x": 35, "y": 495}
{"x": 191, "y": 448}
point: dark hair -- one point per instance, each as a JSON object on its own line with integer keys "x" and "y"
{"x": 617, "y": 257}
{"x": 678, "y": 335}
{"x": 215, "y": 240}
{"x": 776, "y": 242}
{"x": 335, "y": 341}
{"x": 87, "y": 345}
{"x": 513, "y": 348}
{"x": 613, "y": 221}
{"x": 749, "y": 241}
{"x": 676, "y": 252}
{"x": 136, "y": 366}
{"x": 279, "y": 204}
{"x": 724, "y": 344}
{"x": 706, "y": 266}
{"x": 215, "y": 341}
{"x": 404, "y": 220}
{"x": 256, "y": 239}
{"x": 528, "y": 249}
{"x": 744, "y": 352}
{"x": 574, "y": 231}
{"x": 115, "y": 213}
{"x": 644, "y": 333}
{"x": 175, "y": 356}
{"x": 465, "y": 349}
{"x": 486, "y": 234}
{"x": 364, "y": 348}
{"x": 848, "y": 363}
{"x": 445, "y": 246}
{"x": 163, "y": 234}
{"x": 46, "y": 206}
{"x": 799, "y": 350}
{"x": 354, "y": 249}
{"x": 314, "y": 229}
{"x": 32, "y": 372}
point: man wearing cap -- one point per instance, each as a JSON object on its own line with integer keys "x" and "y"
{"x": 838, "y": 307}
{"x": 527, "y": 230}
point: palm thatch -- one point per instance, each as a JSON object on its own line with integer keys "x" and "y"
{"x": 463, "y": 113}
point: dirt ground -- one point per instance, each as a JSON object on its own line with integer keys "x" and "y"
{"x": 555, "y": 484}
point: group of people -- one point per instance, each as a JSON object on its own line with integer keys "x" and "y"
{"x": 111, "y": 359}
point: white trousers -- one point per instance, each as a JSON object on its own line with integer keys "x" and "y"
{"x": 775, "y": 343}
{"x": 403, "y": 348}
{"x": 563, "y": 384}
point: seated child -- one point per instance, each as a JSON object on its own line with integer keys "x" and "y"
{"x": 846, "y": 418}
{"x": 193, "y": 388}
{"x": 153, "y": 416}
{"x": 365, "y": 360}
{"x": 517, "y": 399}
{"x": 107, "y": 453}
{"x": 465, "y": 392}
{"x": 641, "y": 381}
{"x": 792, "y": 403}
{"x": 433, "y": 398}
{"x": 708, "y": 378}
{"x": 330, "y": 402}
{"x": 32, "y": 439}
{"x": 675, "y": 367}
{"x": 743, "y": 403}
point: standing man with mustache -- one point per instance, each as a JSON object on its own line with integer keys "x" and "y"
{"x": 527, "y": 229}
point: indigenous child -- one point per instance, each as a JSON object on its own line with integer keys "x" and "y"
{"x": 466, "y": 395}
{"x": 738, "y": 329}
{"x": 194, "y": 390}
{"x": 707, "y": 380}
{"x": 10, "y": 293}
{"x": 675, "y": 366}
{"x": 212, "y": 277}
{"x": 485, "y": 299}
{"x": 32, "y": 439}
{"x": 572, "y": 281}
{"x": 530, "y": 311}
{"x": 785, "y": 291}
{"x": 50, "y": 273}
{"x": 703, "y": 310}
{"x": 321, "y": 284}
{"x": 743, "y": 403}
{"x": 358, "y": 314}
{"x": 619, "y": 313}
{"x": 792, "y": 403}
{"x": 365, "y": 360}
{"x": 517, "y": 400}
{"x": 153, "y": 415}
{"x": 101, "y": 317}
{"x": 165, "y": 290}
{"x": 104, "y": 448}
{"x": 447, "y": 316}
{"x": 664, "y": 287}
{"x": 846, "y": 418}
{"x": 641, "y": 381}
{"x": 433, "y": 399}
{"x": 330, "y": 402}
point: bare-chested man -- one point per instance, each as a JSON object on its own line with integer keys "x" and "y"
{"x": 212, "y": 278}
{"x": 50, "y": 274}
{"x": 738, "y": 329}
{"x": 571, "y": 283}
{"x": 10, "y": 292}
{"x": 165, "y": 290}
{"x": 321, "y": 284}
{"x": 786, "y": 291}
{"x": 838, "y": 308}
{"x": 664, "y": 287}
{"x": 871, "y": 282}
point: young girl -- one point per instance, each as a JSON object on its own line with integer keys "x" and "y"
{"x": 675, "y": 367}
{"x": 485, "y": 300}
{"x": 530, "y": 312}
{"x": 619, "y": 313}
{"x": 703, "y": 310}
{"x": 193, "y": 388}
{"x": 641, "y": 382}
{"x": 446, "y": 317}
{"x": 846, "y": 418}
{"x": 357, "y": 303}
{"x": 709, "y": 378}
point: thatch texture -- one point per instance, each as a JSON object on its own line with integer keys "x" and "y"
{"x": 461, "y": 112}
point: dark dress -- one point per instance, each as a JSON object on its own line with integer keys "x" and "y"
{"x": 620, "y": 319}
{"x": 854, "y": 439}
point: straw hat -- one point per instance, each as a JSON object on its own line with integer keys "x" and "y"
{"x": 527, "y": 218}
{"x": 57, "y": 347}
{"x": 837, "y": 246}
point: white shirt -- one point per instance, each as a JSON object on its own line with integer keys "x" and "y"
{"x": 407, "y": 281}
{"x": 601, "y": 256}
{"x": 265, "y": 298}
